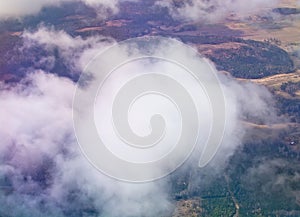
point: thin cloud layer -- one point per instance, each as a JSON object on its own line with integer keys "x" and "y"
{"x": 74, "y": 53}
{"x": 20, "y": 8}
{"x": 216, "y": 10}
{"x": 273, "y": 177}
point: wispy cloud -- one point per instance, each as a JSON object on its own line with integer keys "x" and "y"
{"x": 20, "y": 8}
{"x": 216, "y": 10}
{"x": 41, "y": 166}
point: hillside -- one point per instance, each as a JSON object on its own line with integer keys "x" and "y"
{"x": 262, "y": 177}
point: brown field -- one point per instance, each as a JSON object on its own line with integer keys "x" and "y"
{"x": 274, "y": 82}
{"x": 288, "y": 3}
{"x": 190, "y": 208}
{"x": 288, "y": 31}
{"x": 87, "y": 29}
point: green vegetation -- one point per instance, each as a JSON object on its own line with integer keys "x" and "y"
{"x": 253, "y": 60}
{"x": 262, "y": 178}
{"x": 290, "y": 107}
{"x": 290, "y": 87}
{"x": 217, "y": 207}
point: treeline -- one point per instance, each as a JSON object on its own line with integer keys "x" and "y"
{"x": 253, "y": 60}
{"x": 290, "y": 87}
{"x": 291, "y": 107}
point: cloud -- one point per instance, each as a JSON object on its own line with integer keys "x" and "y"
{"x": 297, "y": 53}
{"x": 216, "y": 10}
{"x": 246, "y": 102}
{"x": 17, "y": 8}
{"x": 240, "y": 96}
{"x": 20, "y": 8}
{"x": 42, "y": 170}
{"x": 207, "y": 11}
{"x": 74, "y": 53}
{"x": 273, "y": 177}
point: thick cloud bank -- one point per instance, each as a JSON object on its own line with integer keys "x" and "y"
{"x": 42, "y": 171}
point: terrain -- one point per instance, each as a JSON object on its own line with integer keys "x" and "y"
{"x": 262, "y": 50}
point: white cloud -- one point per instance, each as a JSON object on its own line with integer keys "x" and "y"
{"x": 272, "y": 177}
{"x": 75, "y": 53}
{"x": 19, "y": 8}
{"x": 40, "y": 159}
{"x": 209, "y": 11}
{"x": 240, "y": 96}
{"x": 216, "y": 10}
